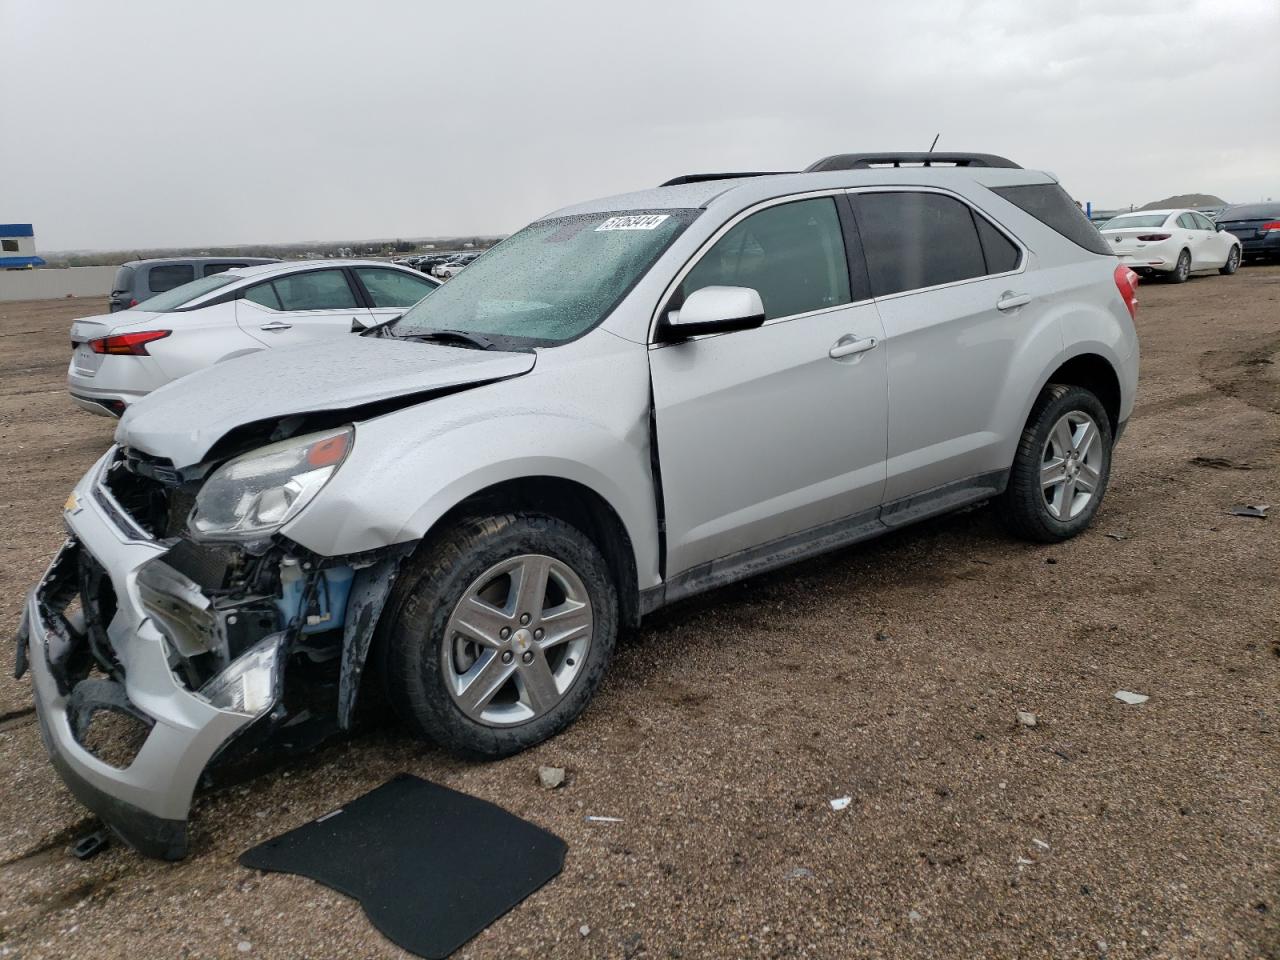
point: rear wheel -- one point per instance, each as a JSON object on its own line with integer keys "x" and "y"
{"x": 1232, "y": 264}
{"x": 503, "y": 632}
{"x": 1182, "y": 269}
{"x": 1061, "y": 469}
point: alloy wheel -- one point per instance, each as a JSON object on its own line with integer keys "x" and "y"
{"x": 517, "y": 640}
{"x": 1071, "y": 465}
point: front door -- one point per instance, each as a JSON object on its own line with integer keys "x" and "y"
{"x": 775, "y": 431}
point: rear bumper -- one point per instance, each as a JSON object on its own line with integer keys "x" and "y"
{"x": 1266, "y": 245}
{"x": 146, "y": 802}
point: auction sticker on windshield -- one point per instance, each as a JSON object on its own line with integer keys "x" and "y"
{"x": 648, "y": 221}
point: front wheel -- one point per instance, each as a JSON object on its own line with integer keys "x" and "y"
{"x": 504, "y": 628}
{"x": 1061, "y": 468}
{"x": 1232, "y": 264}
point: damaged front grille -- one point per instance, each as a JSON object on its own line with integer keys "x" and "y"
{"x": 146, "y": 493}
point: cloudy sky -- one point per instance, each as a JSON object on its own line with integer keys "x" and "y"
{"x": 129, "y": 124}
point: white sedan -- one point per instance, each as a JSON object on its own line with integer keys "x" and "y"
{"x": 119, "y": 357}
{"x": 1171, "y": 242}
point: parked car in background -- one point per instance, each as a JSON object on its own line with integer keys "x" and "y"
{"x": 451, "y": 268}
{"x": 629, "y": 402}
{"x": 119, "y": 357}
{"x": 1257, "y": 226}
{"x": 1172, "y": 243}
{"x": 137, "y": 281}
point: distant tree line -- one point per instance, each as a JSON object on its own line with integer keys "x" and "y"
{"x": 284, "y": 251}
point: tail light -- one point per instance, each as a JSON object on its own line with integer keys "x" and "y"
{"x": 1153, "y": 237}
{"x": 1273, "y": 225}
{"x": 1127, "y": 284}
{"x": 133, "y": 302}
{"x": 128, "y": 344}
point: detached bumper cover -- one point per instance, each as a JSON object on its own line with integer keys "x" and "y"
{"x": 146, "y": 802}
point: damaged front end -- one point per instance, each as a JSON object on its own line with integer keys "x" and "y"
{"x": 158, "y": 649}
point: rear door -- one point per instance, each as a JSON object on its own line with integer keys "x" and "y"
{"x": 1195, "y": 240}
{"x": 301, "y": 307}
{"x": 391, "y": 292}
{"x": 956, "y": 302}
{"x": 764, "y": 434}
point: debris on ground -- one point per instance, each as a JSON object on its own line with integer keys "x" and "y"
{"x": 882, "y": 636}
{"x": 551, "y": 777}
{"x": 800, "y": 873}
{"x": 1117, "y": 536}
{"x": 584, "y": 930}
{"x": 1219, "y": 463}
{"x": 839, "y": 803}
{"x": 1027, "y": 719}
{"x": 1024, "y": 862}
{"x": 604, "y": 819}
{"x": 91, "y": 844}
{"x": 1040, "y": 843}
{"x": 914, "y": 916}
{"x": 1258, "y": 510}
{"x": 1132, "y": 698}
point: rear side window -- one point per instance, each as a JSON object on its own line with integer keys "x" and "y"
{"x": 913, "y": 240}
{"x": 264, "y": 294}
{"x": 211, "y": 268}
{"x": 1202, "y": 222}
{"x": 1049, "y": 204}
{"x": 391, "y": 288}
{"x": 318, "y": 290}
{"x": 123, "y": 283}
{"x": 1001, "y": 253}
{"x": 167, "y": 276}
{"x": 791, "y": 254}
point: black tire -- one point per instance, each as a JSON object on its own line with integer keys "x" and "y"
{"x": 427, "y": 591}
{"x": 1232, "y": 264}
{"x": 1022, "y": 506}
{"x": 1182, "y": 270}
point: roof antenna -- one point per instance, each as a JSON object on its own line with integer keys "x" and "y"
{"x": 935, "y": 142}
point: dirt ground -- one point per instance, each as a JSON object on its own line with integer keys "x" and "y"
{"x": 890, "y": 673}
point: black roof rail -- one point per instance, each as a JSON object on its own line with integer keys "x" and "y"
{"x": 864, "y": 161}
{"x": 704, "y": 177}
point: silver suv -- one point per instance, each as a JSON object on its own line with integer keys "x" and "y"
{"x": 628, "y": 402}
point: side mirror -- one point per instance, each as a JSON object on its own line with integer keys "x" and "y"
{"x": 1219, "y": 227}
{"x": 713, "y": 310}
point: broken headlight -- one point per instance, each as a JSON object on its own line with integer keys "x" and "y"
{"x": 256, "y": 494}
{"x": 250, "y": 685}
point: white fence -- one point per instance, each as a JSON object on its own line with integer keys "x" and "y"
{"x": 56, "y": 284}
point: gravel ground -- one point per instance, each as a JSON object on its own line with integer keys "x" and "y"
{"x": 891, "y": 674}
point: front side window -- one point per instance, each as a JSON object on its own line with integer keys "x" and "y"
{"x": 913, "y": 240}
{"x": 391, "y": 288}
{"x": 317, "y": 290}
{"x": 550, "y": 282}
{"x": 792, "y": 254}
{"x": 169, "y": 276}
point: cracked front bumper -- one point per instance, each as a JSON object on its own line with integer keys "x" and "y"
{"x": 147, "y": 801}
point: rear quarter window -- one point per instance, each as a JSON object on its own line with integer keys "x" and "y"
{"x": 1049, "y": 204}
{"x": 167, "y": 276}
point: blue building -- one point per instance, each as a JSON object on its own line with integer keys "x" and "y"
{"x": 18, "y": 247}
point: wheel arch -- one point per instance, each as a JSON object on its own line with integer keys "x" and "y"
{"x": 576, "y": 504}
{"x": 1094, "y": 373}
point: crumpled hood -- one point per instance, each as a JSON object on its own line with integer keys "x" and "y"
{"x": 184, "y": 419}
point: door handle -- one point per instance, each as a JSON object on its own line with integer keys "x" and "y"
{"x": 1010, "y": 300}
{"x": 851, "y": 344}
{"x": 276, "y": 325}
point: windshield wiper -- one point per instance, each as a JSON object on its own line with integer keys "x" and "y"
{"x": 478, "y": 340}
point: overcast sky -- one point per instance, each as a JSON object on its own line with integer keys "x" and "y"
{"x": 130, "y": 124}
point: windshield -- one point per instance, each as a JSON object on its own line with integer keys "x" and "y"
{"x": 1146, "y": 220}
{"x": 552, "y": 281}
{"x": 172, "y": 299}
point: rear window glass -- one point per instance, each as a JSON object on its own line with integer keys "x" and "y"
{"x": 211, "y": 268}
{"x": 1251, "y": 211}
{"x": 169, "y": 275}
{"x": 123, "y": 283}
{"x": 180, "y": 296}
{"x": 1049, "y": 204}
{"x": 1143, "y": 220}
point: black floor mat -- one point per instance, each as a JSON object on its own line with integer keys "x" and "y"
{"x": 431, "y": 867}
